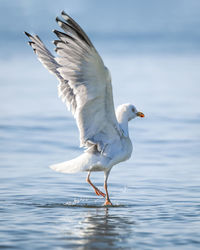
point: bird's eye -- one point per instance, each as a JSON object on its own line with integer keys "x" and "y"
{"x": 133, "y": 110}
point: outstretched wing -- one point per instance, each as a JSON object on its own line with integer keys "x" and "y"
{"x": 85, "y": 84}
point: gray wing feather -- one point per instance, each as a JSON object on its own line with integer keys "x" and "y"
{"x": 85, "y": 84}
{"x": 49, "y": 61}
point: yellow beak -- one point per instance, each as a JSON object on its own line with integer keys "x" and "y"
{"x": 140, "y": 114}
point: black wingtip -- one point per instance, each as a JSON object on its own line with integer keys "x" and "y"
{"x": 27, "y": 34}
{"x": 57, "y": 19}
{"x": 60, "y": 22}
{"x": 59, "y": 33}
{"x": 55, "y": 42}
{"x": 64, "y": 13}
{"x": 30, "y": 43}
{"x": 56, "y": 32}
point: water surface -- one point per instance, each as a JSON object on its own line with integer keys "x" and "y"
{"x": 155, "y": 194}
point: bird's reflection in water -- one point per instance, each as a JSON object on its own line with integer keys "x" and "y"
{"x": 104, "y": 228}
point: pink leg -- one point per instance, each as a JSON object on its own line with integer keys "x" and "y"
{"x": 97, "y": 191}
{"x": 107, "y": 202}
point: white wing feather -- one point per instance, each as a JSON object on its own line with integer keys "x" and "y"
{"x": 85, "y": 84}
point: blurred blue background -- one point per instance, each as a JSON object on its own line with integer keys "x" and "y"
{"x": 164, "y": 26}
{"x": 152, "y": 49}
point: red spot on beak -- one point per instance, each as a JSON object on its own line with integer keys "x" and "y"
{"x": 140, "y": 114}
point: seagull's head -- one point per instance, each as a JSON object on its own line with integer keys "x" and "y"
{"x": 133, "y": 113}
{"x": 129, "y": 111}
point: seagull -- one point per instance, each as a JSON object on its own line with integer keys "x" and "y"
{"x": 85, "y": 87}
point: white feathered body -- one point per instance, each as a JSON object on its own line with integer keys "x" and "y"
{"x": 89, "y": 161}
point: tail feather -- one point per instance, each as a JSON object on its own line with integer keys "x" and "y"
{"x": 67, "y": 167}
{"x": 78, "y": 164}
{"x": 84, "y": 162}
